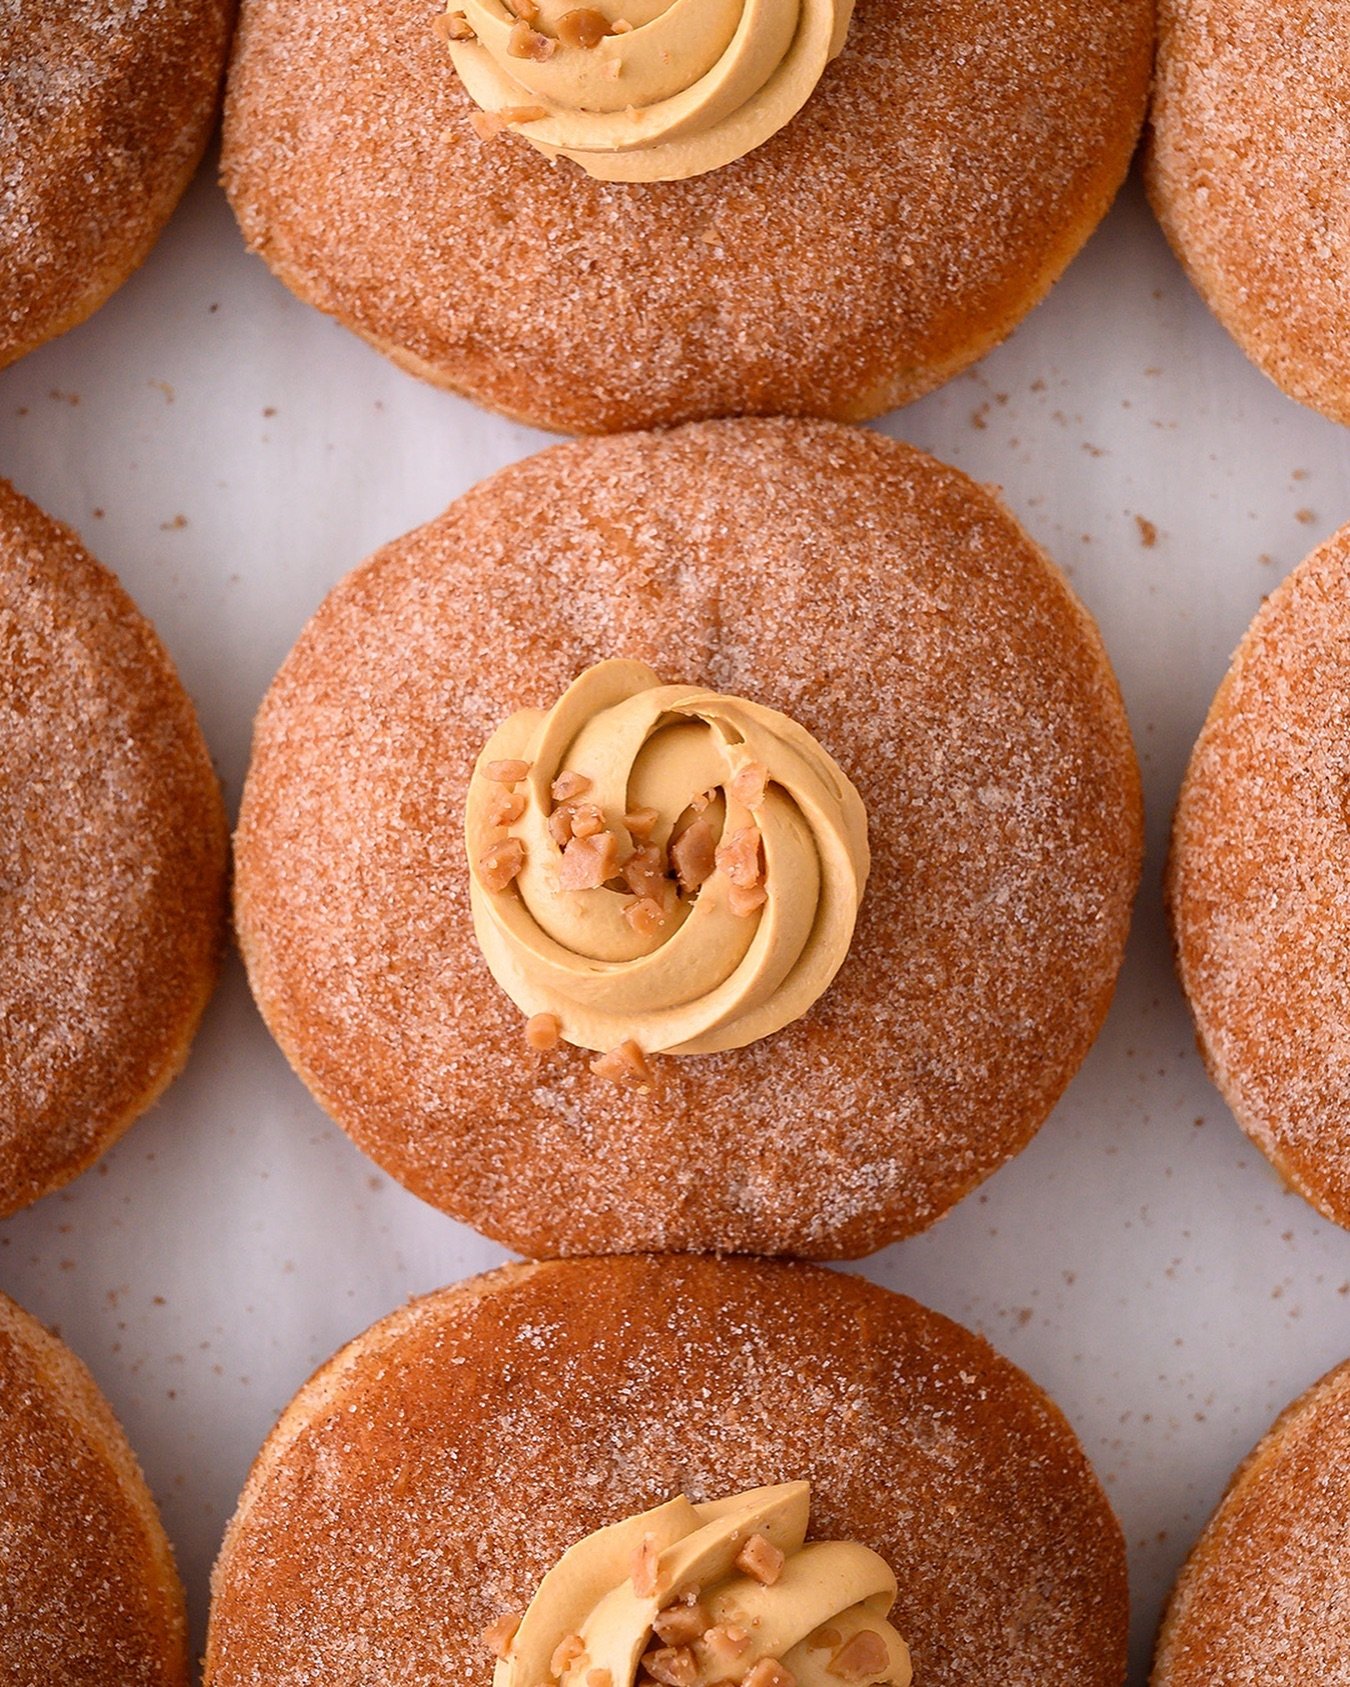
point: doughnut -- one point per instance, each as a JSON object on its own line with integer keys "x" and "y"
{"x": 1249, "y": 173}
{"x": 418, "y": 1488}
{"x": 1259, "y": 881}
{"x": 105, "y": 112}
{"x": 905, "y": 626}
{"x": 1262, "y": 1596}
{"x": 91, "y": 1595}
{"x": 113, "y": 848}
{"x": 939, "y": 176}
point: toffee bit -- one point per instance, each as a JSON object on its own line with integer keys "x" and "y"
{"x": 486, "y": 124}
{"x": 760, "y": 1558}
{"x": 587, "y": 820}
{"x": 508, "y": 772}
{"x": 583, "y": 27}
{"x": 677, "y": 1625}
{"x": 738, "y": 857}
{"x": 588, "y": 862}
{"x": 863, "y": 1658}
{"x": 526, "y": 43}
{"x": 628, "y": 1065}
{"x": 523, "y": 113}
{"x": 693, "y": 855}
{"x": 824, "y": 1639}
{"x": 641, "y": 822}
{"x": 748, "y": 901}
{"x": 565, "y": 1654}
{"x": 621, "y": 26}
{"x": 568, "y": 785}
{"x": 499, "y": 1637}
{"x": 453, "y": 26}
{"x": 750, "y": 784}
{"x": 505, "y": 808}
{"x": 647, "y": 917}
{"x": 543, "y": 1032}
{"x": 644, "y": 873}
{"x": 599, "y": 1678}
{"x": 646, "y": 1557}
{"x": 526, "y": 10}
{"x": 560, "y": 824}
{"x": 724, "y": 1644}
{"x": 672, "y": 1666}
{"x": 498, "y": 866}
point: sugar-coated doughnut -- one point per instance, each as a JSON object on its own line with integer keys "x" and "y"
{"x": 113, "y": 847}
{"x": 892, "y": 609}
{"x": 91, "y": 1596}
{"x": 1249, "y": 172}
{"x": 1259, "y": 880}
{"x": 419, "y": 1486}
{"x": 1262, "y": 1596}
{"x": 105, "y": 111}
{"x": 948, "y": 165}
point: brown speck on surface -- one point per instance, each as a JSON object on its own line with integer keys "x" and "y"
{"x": 175, "y": 525}
{"x": 1148, "y": 532}
{"x": 1305, "y": 516}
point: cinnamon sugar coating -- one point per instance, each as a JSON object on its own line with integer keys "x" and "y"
{"x": 113, "y": 849}
{"x": 1249, "y": 172}
{"x": 90, "y": 1595}
{"x": 948, "y": 166}
{"x": 880, "y": 599}
{"x": 1259, "y": 880}
{"x": 105, "y": 111}
{"x": 1261, "y": 1600}
{"x": 420, "y": 1486}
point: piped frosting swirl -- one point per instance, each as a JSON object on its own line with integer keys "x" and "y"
{"x": 662, "y": 864}
{"x": 690, "y": 1595}
{"x": 645, "y": 90}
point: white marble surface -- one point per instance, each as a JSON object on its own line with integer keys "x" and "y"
{"x": 231, "y": 454}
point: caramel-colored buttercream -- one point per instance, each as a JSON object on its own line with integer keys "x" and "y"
{"x": 713, "y": 1592}
{"x": 721, "y": 962}
{"x": 675, "y": 89}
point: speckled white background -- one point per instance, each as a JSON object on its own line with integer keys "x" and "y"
{"x": 231, "y": 454}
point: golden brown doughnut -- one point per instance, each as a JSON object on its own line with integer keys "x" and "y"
{"x": 1262, "y": 1596}
{"x": 1259, "y": 880}
{"x": 948, "y": 166}
{"x": 893, "y": 609}
{"x": 113, "y": 847}
{"x": 1249, "y": 172}
{"x": 421, "y": 1483}
{"x": 91, "y": 1596}
{"x": 105, "y": 111}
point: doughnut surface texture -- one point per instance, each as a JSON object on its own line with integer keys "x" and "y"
{"x": 90, "y": 1596}
{"x": 947, "y": 167}
{"x": 1249, "y": 172}
{"x": 1262, "y": 1597}
{"x": 422, "y": 1483}
{"x": 885, "y": 603}
{"x": 1259, "y": 881}
{"x": 105, "y": 110}
{"x": 113, "y": 849}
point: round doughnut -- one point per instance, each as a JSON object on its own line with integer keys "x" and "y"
{"x": 947, "y": 167}
{"x": 1249, "y": 173}
{"x": 105, "y": 111}
{"x": 895, "y": 611}
{"x": 91, "y": 1595}
{"x": 1259, "y": 881}
{"x": 113, "y": 848}
{"x": 1262, "y": 1596}
{"x": 423, "y": 1481}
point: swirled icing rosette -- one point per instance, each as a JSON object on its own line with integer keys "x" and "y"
{"x": 662, "y": 865}
{"x": 727, "y": 1591}
{"x": 645, "y": 90}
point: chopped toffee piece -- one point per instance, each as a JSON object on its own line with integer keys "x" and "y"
{"x": 501, "y": 864}
{"x": 760, "y": 1558}
{"x": 543, "y": 1032}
